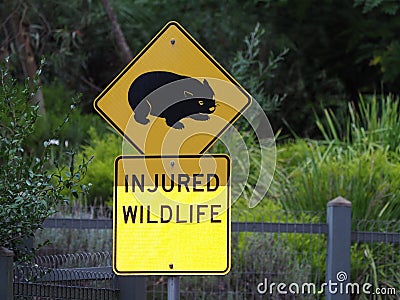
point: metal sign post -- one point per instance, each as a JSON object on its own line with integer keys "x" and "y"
{"x": 173, "y": 287}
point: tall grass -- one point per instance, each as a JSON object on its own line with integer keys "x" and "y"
{"x": 359, "y": 159}
{"x": 374, "y": 123}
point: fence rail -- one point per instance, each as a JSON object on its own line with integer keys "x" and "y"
{"x": 316, "y": 228}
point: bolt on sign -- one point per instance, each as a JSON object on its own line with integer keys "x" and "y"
{"x": 172, "y": 215}
{"x": 173, "y": 97}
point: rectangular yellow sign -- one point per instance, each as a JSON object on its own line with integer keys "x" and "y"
{"x": 172, "y": 215}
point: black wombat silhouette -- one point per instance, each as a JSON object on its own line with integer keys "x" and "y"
{"x": 170, "y": 96}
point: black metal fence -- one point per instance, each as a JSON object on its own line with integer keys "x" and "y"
{"x": 293, "y": 249}
{"x": 72, "y": 276}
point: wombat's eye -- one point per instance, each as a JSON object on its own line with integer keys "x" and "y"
{"x": 201, "y": 102}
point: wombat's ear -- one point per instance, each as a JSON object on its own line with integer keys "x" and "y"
{"x": 188, "y": 94}
{"x": 205, "y": 83}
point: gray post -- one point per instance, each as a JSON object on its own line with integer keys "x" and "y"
{"x": 173, "y": 288}
{"x": 28, "y": 242}
{"x": 338, "y": 249}
{"x": 6, "y": 274}
{"x": 132, "y": 287}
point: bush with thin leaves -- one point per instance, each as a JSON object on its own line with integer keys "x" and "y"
{"x": 30, "y": 187}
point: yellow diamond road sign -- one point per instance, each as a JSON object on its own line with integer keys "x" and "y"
{"x": 173, "y": 97}
{"x": 172, "y": 215}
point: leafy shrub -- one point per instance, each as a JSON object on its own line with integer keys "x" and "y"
{"x": 104, "y": 148}
{"x": 29, "y": 192}
{"x": 62, "y": 108}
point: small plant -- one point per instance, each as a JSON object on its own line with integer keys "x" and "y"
{"x": 248, "y": 69}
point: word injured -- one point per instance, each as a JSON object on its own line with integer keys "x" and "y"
{"x": 184, "y": 182}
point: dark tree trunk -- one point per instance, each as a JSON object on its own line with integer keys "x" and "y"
{"x": 25, "y": 52}
{"x": 126, "y": 52}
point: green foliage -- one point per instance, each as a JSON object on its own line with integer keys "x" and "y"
{"x": 29, "y": 192}
{"x": 242, "y": 213}
{"x": 67, "y": 241}
{"x": 373, "y": 124}
{"x": 77, "y": 39}
{"x": 368, "y": 179}
{"x": 337, "y": 48}
{"x": 250, "y": 160}
{"x": 389, "y": 7}
{"x": 375, "y": 264}
{"x": 272, "y": 256}
{"x": 359, "y": 160}
{"x": 104, "y": 148}
{"x": 381, "y": 17}
{"x": 388, "y": 59}
{"x": 252, "y": 73}
{"x": 63, "y": 113}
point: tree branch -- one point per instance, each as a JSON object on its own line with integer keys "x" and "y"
{"x": 119, "y": 36}
{"x": 25, "y": 52}
{"x": 90, "y": 84}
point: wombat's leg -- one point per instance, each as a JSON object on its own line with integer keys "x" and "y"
{"x": 172, "y": 122}
{"x": 178, "y": 125}
{"x": 142, "y": 111}
{"x": 199, "y": 117}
